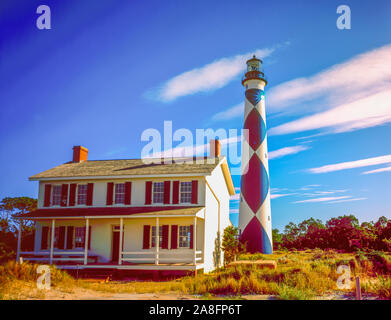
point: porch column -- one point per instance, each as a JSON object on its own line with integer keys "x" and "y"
{"x": 52, "y": 242}
{"x": 86, "y": 240}
{"x": 121, "y": 225}
{"x": 19, "y": 241}
{"x": 157, "y": 242}
{"x": 195, "y": 240}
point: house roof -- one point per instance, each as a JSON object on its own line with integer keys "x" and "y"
{"x": 111, "y": 211}
{"x": 109, "y": 168}
{"x": 138, "y": 167}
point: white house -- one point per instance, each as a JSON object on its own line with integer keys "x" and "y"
{"x": 166, "y": 216}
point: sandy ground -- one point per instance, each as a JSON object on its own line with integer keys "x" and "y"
{"x": 84, "y": 294}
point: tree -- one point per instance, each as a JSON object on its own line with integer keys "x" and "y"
{"x": 342, "y": 231}
{"x": 231, "y": 244}
{"x": 277, "y": 239}
{"x": 9, "y": 209}
{"x": 18, "y": 206}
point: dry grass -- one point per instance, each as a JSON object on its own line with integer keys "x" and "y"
{"x": 18, "y": 281}
{"x": 299, "y": 275}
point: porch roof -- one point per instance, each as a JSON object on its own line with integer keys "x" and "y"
{"x": 110, "y": 211}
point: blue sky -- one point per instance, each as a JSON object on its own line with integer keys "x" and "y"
{"x": 107, "y": 71}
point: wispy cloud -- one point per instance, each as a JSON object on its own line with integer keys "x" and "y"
{"x": 318, "y": 193}
{"x": 352, "y": 164}
{"x": 310, "y": 186}
{"x": 378, "y": 170}
{"x": 286, "y": 151}
{"x": 367, "y": 112}
{"x": 230, "y": 113}
{"x": 280, "y": 195}
{"x": 337, "y": 82}
{"x": 348, "y": 200}
{"x": 235, "y": 197}
{"x": 322, "y": 199}
{"x": 345, "y": 102}
{"x": 210, "y": 77}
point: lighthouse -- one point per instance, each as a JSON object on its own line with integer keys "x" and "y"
{"x": 254, "y": 208}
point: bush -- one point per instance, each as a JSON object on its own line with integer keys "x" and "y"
{"x": 382, "y": 287}
{"x": 11, "y": 271}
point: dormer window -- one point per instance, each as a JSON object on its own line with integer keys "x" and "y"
{"x": 56, "y": 195}
{"x": 82, "y": 194}
{"x": 120, "y": 193}
{"x": 158, "y": 192}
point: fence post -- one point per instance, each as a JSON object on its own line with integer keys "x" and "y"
{"x": 358, "y": 289}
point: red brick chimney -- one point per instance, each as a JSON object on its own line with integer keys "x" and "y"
{"x": 80, "y": 154}
{"x": 215, "y": 148}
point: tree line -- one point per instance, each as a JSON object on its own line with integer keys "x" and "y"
{"x": 341, "y": 233}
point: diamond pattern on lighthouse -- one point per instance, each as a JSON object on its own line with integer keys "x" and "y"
{"x": 255, "y": 183}
{"x": 253, "y": 236}
{"x": 256, "y": 129}
{"x": 254, "y": 96}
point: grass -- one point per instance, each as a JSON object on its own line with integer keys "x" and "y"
{"x": 18, "y": 281}
{"x": 300, "y": 275}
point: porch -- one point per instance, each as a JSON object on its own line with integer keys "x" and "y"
{"x": 103, "y": 249}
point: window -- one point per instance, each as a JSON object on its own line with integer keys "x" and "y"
{"x": 153, "y": 242}
{"x": 79, "y": 237}
{"x": 82, "y": 194}
{"x": 186, "y": 189}
{"x": 120, "y": 193}
{"x": 158, "y": 192}
{"x": 56, "y": 195}
{"x": 184, "y": 236}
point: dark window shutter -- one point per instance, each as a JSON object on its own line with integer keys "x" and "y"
{"x": 175, "y": 192}
{"x": 89, "y": 237}
{"x": 70, "y": 237}
{"x": 147, "y": 230}
{"x": 44, "y": 238}
{"x": 48, "y": 190}
{"x": 194, "y": 191}
{"x": 174, "y": 237}
{"x": 191, "y": 236}
{"x": 64, "y": 195}
{"x": 167, "y": 185}
{"x": 165, "y": 236}
{"x": 128, "y": 192}
{"x": 72, "y": 194}
{"x": 110, "y": 190}
{"x": 90, "y": 193}
{"x": 148, "y": 192}
{"x": 61, "y": 238}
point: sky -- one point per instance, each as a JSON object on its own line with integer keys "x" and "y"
{"x": 107, "y": 71}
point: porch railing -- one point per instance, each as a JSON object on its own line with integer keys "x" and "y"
{"x": 167, "y": 257}
{"x": 55, "y": 257}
